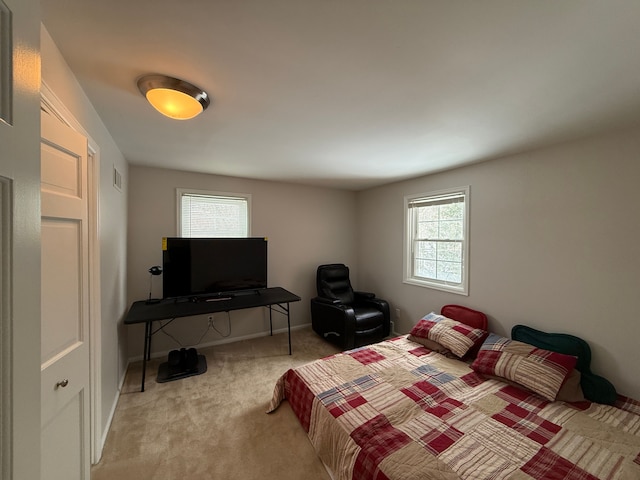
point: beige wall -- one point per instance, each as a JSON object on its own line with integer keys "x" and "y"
{"x": 554, "y": 238}
{"x": 112, "y": 223}
{"x": 305, "y": 227}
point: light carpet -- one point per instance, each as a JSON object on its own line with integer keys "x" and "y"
{"x": 214, "y": 426}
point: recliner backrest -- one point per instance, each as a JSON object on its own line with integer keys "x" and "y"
{"x": 332, "y": 281}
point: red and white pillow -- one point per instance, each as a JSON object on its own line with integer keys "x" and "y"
{"x": 435, "y": 330}
{"x": 542, "y": 371}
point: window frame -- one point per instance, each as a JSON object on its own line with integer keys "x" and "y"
{"x": 180, "y": 192}
{"x": 409, "y": 237}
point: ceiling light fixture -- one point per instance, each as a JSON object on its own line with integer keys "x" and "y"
{"x": 173, "y": 97}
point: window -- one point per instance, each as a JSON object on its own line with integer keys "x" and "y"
{"x": 211, "y": 214}
{"x": 436, "y": 247}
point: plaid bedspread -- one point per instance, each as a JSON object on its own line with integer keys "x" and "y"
{"x": 396, "y": 410}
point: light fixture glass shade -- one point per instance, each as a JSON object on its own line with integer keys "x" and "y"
{"x": 173, "y": 97}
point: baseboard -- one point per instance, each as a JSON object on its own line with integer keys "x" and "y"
{"x": 112, "y": 412}
{"x": 223, "y": 341}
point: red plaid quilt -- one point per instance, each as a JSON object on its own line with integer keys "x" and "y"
{"x": 395, "y": 410}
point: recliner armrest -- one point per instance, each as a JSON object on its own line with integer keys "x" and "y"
{"x": 328, "y": 301}
{"x": 364, "y": 295}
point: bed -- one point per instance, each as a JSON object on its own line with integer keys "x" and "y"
{"x": 411, "y": 408}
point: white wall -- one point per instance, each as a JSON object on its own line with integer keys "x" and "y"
{"x": 305, "y": 227}
{"x": 554, "y": 238}
{"x": 112, "y": 222}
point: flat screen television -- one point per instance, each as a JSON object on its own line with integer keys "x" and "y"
{"x": 206, "y": 266}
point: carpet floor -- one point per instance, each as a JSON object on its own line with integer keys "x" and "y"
{"x": 214, "y": 425}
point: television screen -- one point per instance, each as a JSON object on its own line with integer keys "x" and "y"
{"x": 201, "y": 266}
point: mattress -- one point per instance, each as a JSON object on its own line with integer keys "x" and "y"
{"x": 397, "y": 410}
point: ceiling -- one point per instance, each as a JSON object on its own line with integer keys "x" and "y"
{"x": 353, "y": 93}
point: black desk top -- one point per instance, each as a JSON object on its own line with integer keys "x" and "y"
{"x": 141, "y": 312}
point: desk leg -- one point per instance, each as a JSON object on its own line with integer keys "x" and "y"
{"x": 270, "y": 321}
{"x": 149, "y": 344}
{"x": 147, "y": 351}
{"x": 289, "y": 326}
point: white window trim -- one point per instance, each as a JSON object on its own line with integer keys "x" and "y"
{"x": 463, "y": 288}
{"x": 181, "y": 191}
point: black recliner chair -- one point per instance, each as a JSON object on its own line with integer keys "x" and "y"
{"x": 346, "y": 317}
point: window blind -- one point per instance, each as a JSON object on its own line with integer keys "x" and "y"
{"x": 213, "y": 216}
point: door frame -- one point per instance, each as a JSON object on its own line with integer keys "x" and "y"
{"x": 5, "y": 328}
{"x": 50, "y": 103}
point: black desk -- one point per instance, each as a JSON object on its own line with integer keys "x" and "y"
{"x": 141, "y": 312}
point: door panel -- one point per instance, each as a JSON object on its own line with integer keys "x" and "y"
{"x": 65, "y": 358}
{"x": 64, "y": 425}
{"x": 61, "y": 172}
{"x": 61, "y": 243}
